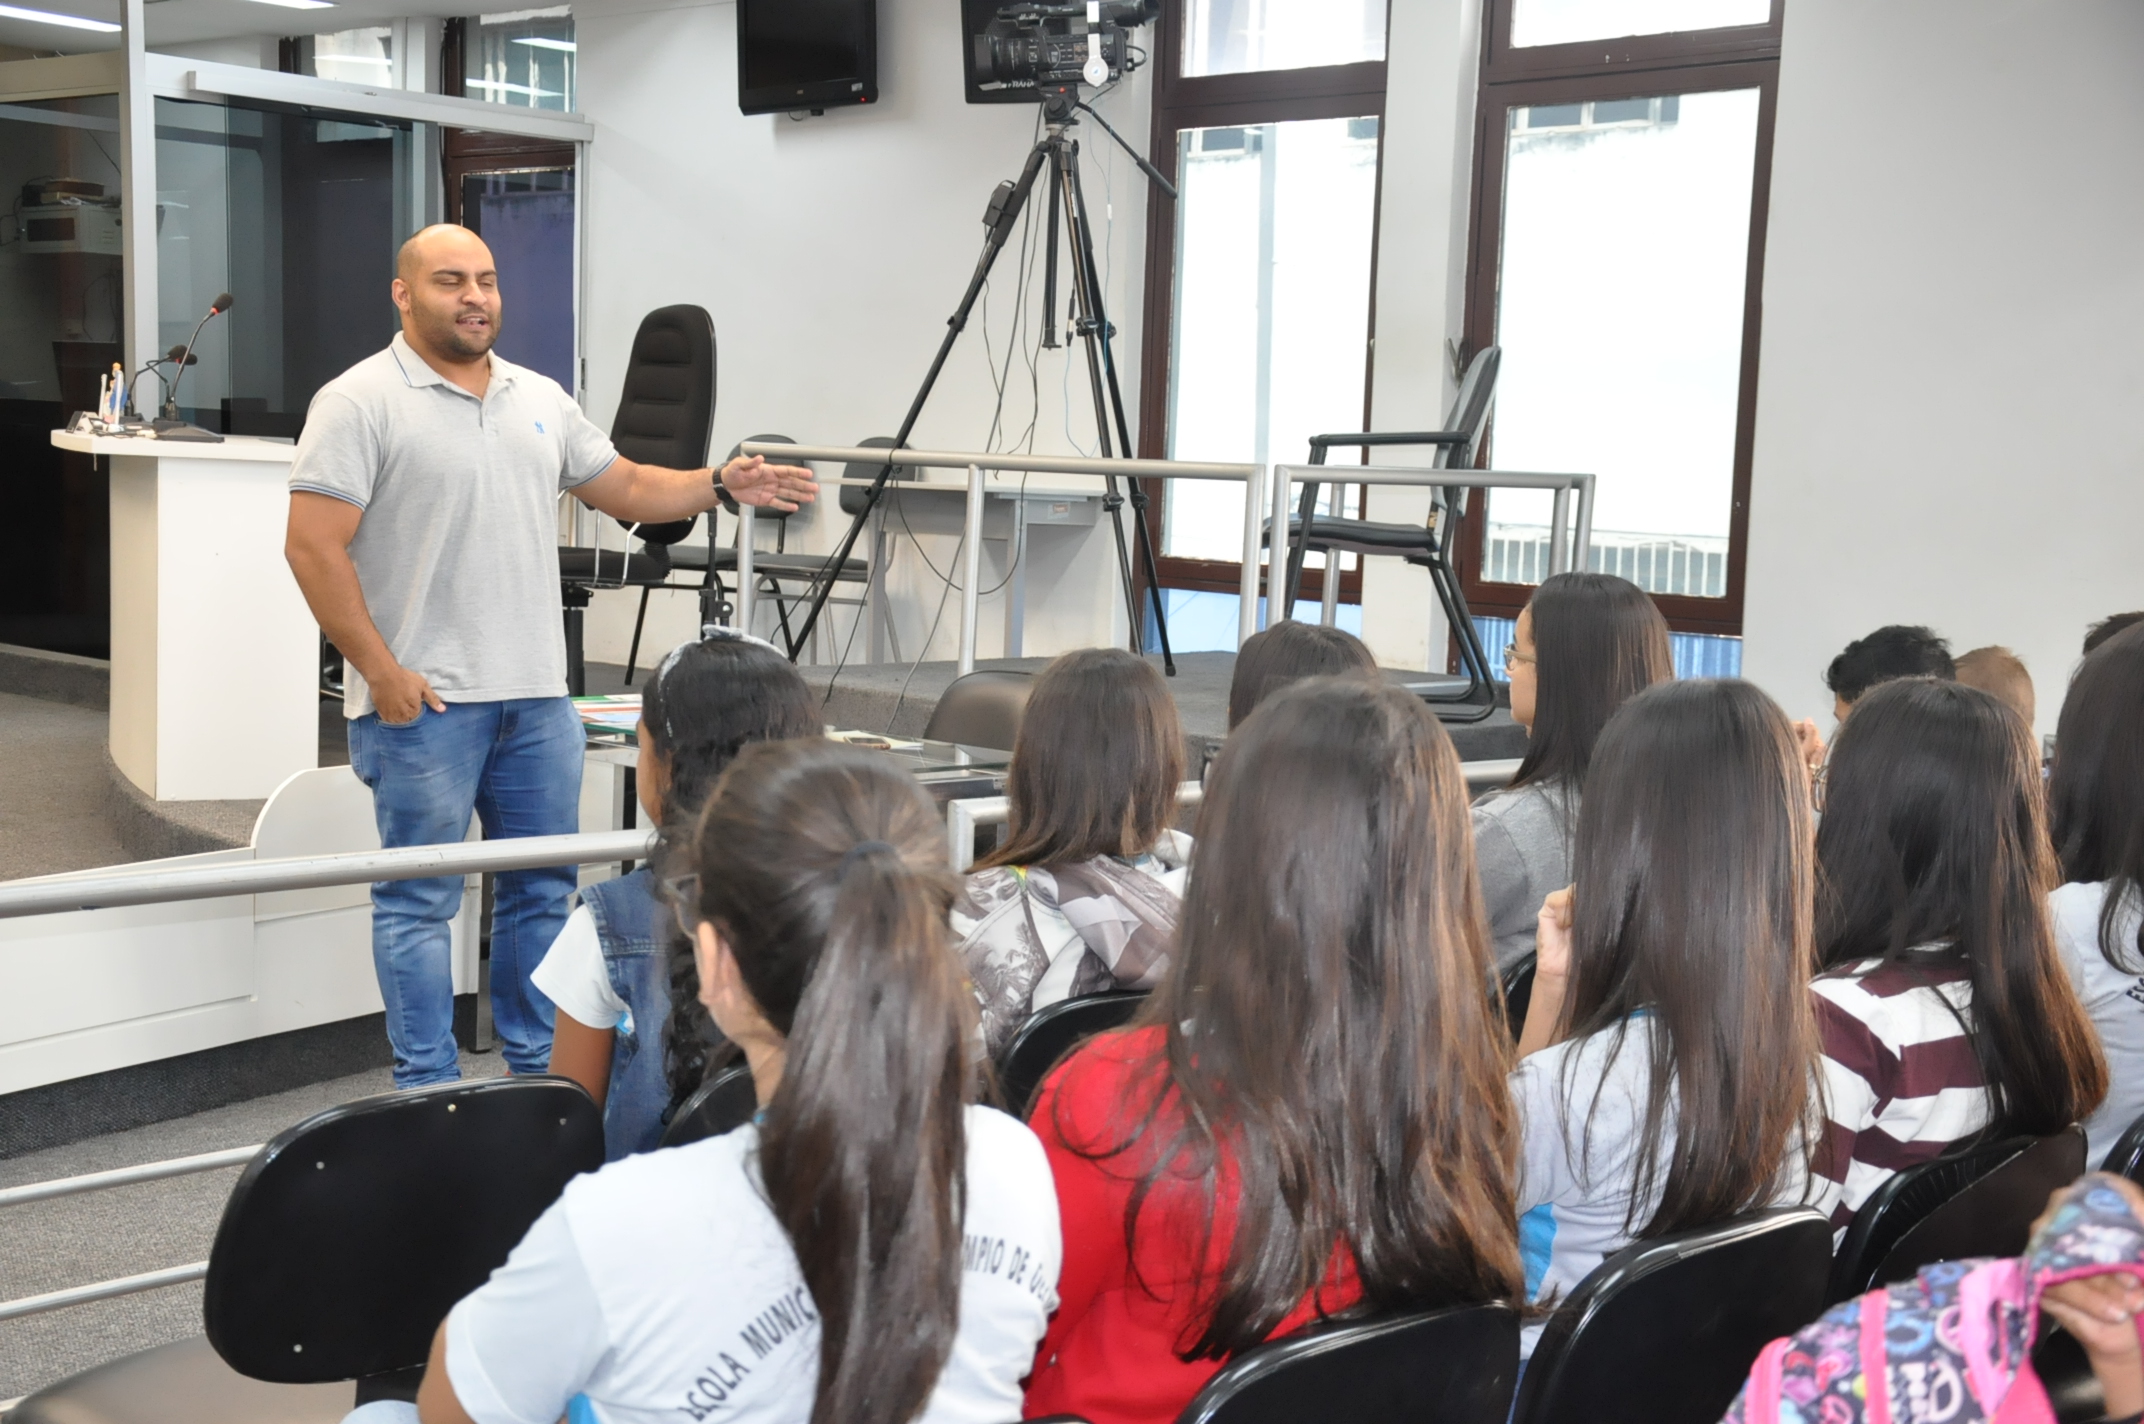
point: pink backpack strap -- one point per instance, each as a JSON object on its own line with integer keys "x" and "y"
{"x": 1875, "y": 1358}
{"x": 1760, "y": 1405}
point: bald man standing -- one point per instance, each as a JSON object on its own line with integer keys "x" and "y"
{"x": 424, "y": 533}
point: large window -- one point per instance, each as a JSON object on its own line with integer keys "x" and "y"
{"x": 1622, "y": 161}
{"x": 1259, "y": 274}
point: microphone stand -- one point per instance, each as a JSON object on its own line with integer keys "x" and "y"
{"x": 169, "y": 425}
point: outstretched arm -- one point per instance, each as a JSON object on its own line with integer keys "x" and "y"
{"x": 655, "y": 494}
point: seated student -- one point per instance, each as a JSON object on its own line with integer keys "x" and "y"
{"x": 821, "y": 1263}
{"x": 2107, "y": 627}
{"x": 2095, "y": 798}
{"x": 1670, "y": 1009}
{"x": 2001, "y": 674}
{"x": 608, "y": 971}
{"x": 1948, "y": 1353}
{"x": 1082, "y": 896}
{"x": 1311, "y": 1113}
{"x": 1892, "y": 651}
{"x": 1287, "y": 653}
{"x": 1942, "y": 1005}
{"x": 1584, "y": 645}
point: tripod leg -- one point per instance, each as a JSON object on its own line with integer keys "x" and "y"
{"x": 1100, "y": 335}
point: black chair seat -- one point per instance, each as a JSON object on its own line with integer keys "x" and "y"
{"x": 1453, "y": 1366}
{"x": 1979, "y": 1202}
{"x": 1665, "y": 1331}
{"x": 722, "y": 1104}
{"x": 1051, "y": 1034}
{"x": 181, "y": 1383}
{"x": 1365, "y": 536}
{"x": 804, "y": 566}
{"x": 614, "y": 568}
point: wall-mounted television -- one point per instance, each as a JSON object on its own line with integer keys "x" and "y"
{"x": 806, "y": 54}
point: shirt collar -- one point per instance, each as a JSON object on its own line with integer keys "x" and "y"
{"x": 419, "y": 372}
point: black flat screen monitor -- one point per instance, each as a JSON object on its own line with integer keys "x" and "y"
{"x": 806, "y": 54}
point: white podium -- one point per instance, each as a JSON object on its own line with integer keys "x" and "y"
{"x": 215, "y": 657}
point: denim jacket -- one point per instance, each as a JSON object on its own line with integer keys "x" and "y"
{"x": 634, "y": 930}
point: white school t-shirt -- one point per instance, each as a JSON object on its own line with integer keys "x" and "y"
{"x": 2112, "y": 997}
{"x": 663, "y": 1289}
{"x": 574, "y": 977}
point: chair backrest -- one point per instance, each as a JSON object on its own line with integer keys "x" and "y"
{"x": 982, "y": 709}
{"x": 1981, "y": 1202}
{"x": 2126, "y": 1157}
{"x": 852, "y": 496}
{"x": 348, "y": 1237}
{"x": 779, "y": 516}
{"x": 722, "y": 1104}
{"x": 1665, "y": 1330}
{"x": 1470, "y": 408}
{"x": 1049, "y": 1035}
{"x": 667, "y": 408}
{"x": 1453, "y": 1366}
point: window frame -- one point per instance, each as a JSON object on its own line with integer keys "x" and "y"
{"x": 1182, "y": 102}
{"x": 1737, "y": 57}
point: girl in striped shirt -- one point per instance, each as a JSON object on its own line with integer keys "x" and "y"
{"x": 1943, "y": 1009}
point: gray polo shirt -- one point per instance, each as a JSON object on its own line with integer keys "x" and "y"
{"x": 458, "y": 549}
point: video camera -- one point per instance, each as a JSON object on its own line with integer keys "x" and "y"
{"x": 1038, "y": 45}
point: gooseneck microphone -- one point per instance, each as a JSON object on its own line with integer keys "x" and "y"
{"x": 184, "y": 358}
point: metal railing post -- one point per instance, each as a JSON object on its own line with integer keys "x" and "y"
{"x": 971, "y": 568}
{"x": 745, "y": 586}
{"x": 1277, "y": 545}
{"x": 1582, "y": 537}
{"x": 1559, "y": 548}
{"x": 1254, "y": 490}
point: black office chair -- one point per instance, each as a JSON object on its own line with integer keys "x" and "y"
{"x": 1050, "y": 1034}
{"x": 664, "y": 416}
{"x": 342, "y": 1247}
{"x": 722, "y": 1104}
{"x": 1453, "y": 1366}
{"x": 2126, "y": 1157}
{"x": 1978, "y": 1202}
{"x": 1518, "y": 982}
{"x": 1665, "y": 1331}
{"x": 1427, "y": 545}
{"x": 982, "y": 709}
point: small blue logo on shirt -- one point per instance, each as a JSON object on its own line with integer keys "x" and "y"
{"x": 539, "y": 427}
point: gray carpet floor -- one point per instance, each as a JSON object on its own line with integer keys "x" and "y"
{"x": 71, "y": 1241}
{"x": 52, "y": 779}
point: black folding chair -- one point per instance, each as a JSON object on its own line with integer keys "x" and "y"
{"x": 1428, "y": 545}
{"x": 982, "y": 709}
{"x": 342, "y": 1247}
{"x": 1453, "y": 1366}
{"x": 1978, "y": 1202}
{"x": 1051, "y": 1034}
{"x": 2126, "y": 1157}
{"x": 1665, "y": 1330}
{"x": 722, "y": 1104}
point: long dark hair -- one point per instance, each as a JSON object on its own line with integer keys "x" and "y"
{"x": 1692, "y": 905}
{"x": 1328, "y": 1036}
{"x": 824, "y": 869}
{"x": 1096, "y": 765}
{"x": 1598, "y": 642}
{"x": 1289, "y": 652}
{"x": 700, "y": 705}
{"x": 2095, "y": 793}
{"x": 1934, "y": 831}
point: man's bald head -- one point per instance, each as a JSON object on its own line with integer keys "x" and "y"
{"x": 447, "y": 288}
{"x": 441, "y": 243}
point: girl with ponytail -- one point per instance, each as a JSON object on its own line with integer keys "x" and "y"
{"x": 627, "y": 1031}
{"x": 875, "y": 1248}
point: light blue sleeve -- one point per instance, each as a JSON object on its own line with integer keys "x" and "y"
{"x": 527, "y": 1341}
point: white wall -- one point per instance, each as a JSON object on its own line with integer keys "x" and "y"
{"x": 1432, "y": 56}
{"x": 1951, "y": 368}
{"x": 831, "y": 251}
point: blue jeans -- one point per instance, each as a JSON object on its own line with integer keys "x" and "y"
{"x": 517, "y": 765}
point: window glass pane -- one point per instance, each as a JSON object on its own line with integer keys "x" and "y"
{"x": 1272, "y": 307}
{"x": 363, "y": 56}
{"x": 522, "y": 57}
{"x": 526, "y": 218}
{"x": 1547, "y": 22}
{"x": 1232, "y": 36}
{"x": 1619, "y": 308}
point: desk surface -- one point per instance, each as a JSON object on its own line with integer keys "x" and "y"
{"x": 231, "y": 447}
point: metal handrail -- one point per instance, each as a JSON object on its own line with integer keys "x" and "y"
{"x": 105, "y": 889}
{"x": 102, "y": 1290}
{"x": 127, "y": 1176}
{"x": 962, "y": 817}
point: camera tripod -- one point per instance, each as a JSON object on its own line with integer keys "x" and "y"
{"x": 1058, "y": 153}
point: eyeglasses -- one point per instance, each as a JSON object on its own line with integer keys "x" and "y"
{"x": 1817, "y": 779}
{"x": 682, "y": 892}
{"x": 1513, "y": 657}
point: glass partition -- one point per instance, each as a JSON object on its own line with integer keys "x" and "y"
{"x": 521, "y": 57}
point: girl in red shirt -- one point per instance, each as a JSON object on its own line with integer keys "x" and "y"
{"x": 1311, "y": 1116}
